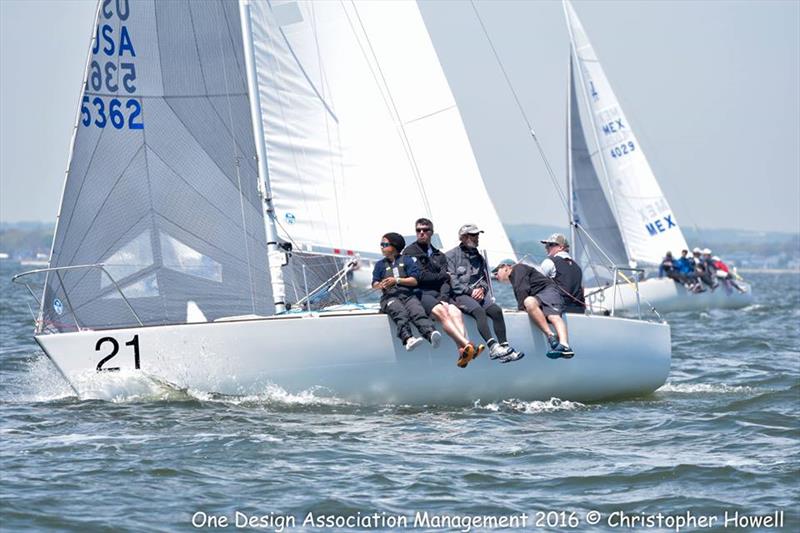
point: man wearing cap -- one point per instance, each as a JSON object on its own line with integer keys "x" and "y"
{"x": 686, "y": 270}
{"x": 705, "y": 267}
{"x": 538, "y": 296}
{"x": 469, "y": 282}
{"x": 396, "y": 276}
{"x": 560, "y": 267}
{"x": 434, "y": 286}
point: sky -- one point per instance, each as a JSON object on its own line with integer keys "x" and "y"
{"x": 712, "y": 89}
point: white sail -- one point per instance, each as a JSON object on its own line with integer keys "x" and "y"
{"x": 648, "y": 225}
{"x": 362, "y": 131}
{"x": 161, "y": 186}
{"x": 597, "y": 239}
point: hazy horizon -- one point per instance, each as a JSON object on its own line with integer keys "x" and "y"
{"x": 712, "y": 89}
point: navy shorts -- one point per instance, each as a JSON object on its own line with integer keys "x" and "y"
{"x": 550, "y": 301}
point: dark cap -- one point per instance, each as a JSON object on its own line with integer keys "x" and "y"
{"x": 504, "y": 262}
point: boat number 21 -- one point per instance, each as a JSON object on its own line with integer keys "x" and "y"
{"x": 133, "y": 343}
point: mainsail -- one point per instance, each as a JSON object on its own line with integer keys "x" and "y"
{"x": 597, "y": 239}
{"x": 647, "y": 223}
{"x": 362, "y": 131}
{"x": 162, "y": 181}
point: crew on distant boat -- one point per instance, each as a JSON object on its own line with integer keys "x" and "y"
{"x": 725, "y": 276}
{"x": 705, "y": 268}
{"x": 396, "y": 276}
{"x": 434, "y": 288}
{"x": 568, "y": 276}
{"x": 686, "y": 269}
{"x": 667, "y": 268}
{"x": 537, "y": 295}
{"x": 469, "y": 280}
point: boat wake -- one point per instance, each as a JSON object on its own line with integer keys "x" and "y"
{"x": 532, "y": 407}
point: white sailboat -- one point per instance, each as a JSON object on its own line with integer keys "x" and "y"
{"x": 209, "y": 133}
{"x": 629, "y": 222}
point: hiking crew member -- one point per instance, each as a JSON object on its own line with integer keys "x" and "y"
{"x": 396, "y": 276}
{"x": 538, "y": 296}
{"x": 433, "y": 283}
{"x": 469, "y": 279}
{"x": 561, "y": 268}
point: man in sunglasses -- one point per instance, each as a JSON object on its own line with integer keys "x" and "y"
{"x": 561, "y": 268}
{"x": 434, "y": 286}
{"x": 469, "y": 278}
{"x": 396, "y": 276}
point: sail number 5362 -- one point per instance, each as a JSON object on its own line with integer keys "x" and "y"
{"x": 113, "y": 345}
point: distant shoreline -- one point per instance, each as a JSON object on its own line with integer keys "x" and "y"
{"x": 768, "y": 270}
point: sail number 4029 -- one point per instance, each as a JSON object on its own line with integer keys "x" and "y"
{"x": 133, "y": 343}
{"x": 623, "y": 149}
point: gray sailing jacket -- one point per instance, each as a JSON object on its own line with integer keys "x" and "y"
{"x": 467, "y": 270}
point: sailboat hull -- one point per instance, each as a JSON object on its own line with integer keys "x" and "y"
{"x": 667, "y": 296}
{"x": 355, "y": 356}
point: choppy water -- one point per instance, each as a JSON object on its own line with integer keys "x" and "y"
{"x": 721, "y": 435}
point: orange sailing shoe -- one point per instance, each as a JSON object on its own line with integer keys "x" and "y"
{"x": 465, "y": 355}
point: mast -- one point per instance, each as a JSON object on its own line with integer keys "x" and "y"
{"x": 273, "y": 251}
{"x": 568, "y": 130}
{"x": 594, "y": 125}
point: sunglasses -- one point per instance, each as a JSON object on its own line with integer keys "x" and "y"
{"x": 424, "y": 230}
{"x": 386, "y": 244}
{"x": 550, "y": 244}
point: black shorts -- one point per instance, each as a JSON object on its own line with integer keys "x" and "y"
{"x": 431, "y": 299}
{"x": 468, "y": 304}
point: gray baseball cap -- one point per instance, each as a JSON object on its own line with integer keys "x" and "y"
{"x": 556, "y": 238}
{"x": 469, "y": 229}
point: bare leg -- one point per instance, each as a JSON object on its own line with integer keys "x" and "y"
{"x": 440, "y": 313}
{"x": 561, "y": 328}
{"x": 458, "y": 318}
{"x": 532, "y": 307}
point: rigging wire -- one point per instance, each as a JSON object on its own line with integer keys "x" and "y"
{"x": 547, "y": 165}
{"x": 550, "y": 172}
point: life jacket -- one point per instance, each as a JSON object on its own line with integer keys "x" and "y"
{"x": 569, "y": 277}
{"x": 396, "y": 270}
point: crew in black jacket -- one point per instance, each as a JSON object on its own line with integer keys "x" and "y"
{"x": 433, "y": 283}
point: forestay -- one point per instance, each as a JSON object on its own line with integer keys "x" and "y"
{"x": 362, "y": 131}
{"x": 648, "y": 225}
{"x": 161, "y": 185}
{"x": 598, "y": 239}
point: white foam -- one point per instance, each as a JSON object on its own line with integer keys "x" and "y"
{"x": 690, "y": 388}
{"x": 274, "y": 394}
{"x": 536, "y": 406}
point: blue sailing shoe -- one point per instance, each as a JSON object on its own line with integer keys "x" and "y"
{"x": 560, "y": 352}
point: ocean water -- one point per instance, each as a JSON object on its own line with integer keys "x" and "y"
{"x": 721, "y": 437}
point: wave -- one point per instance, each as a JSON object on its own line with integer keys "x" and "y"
{"x": 536, "y": 406}
{"x": 692, "y": 388}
